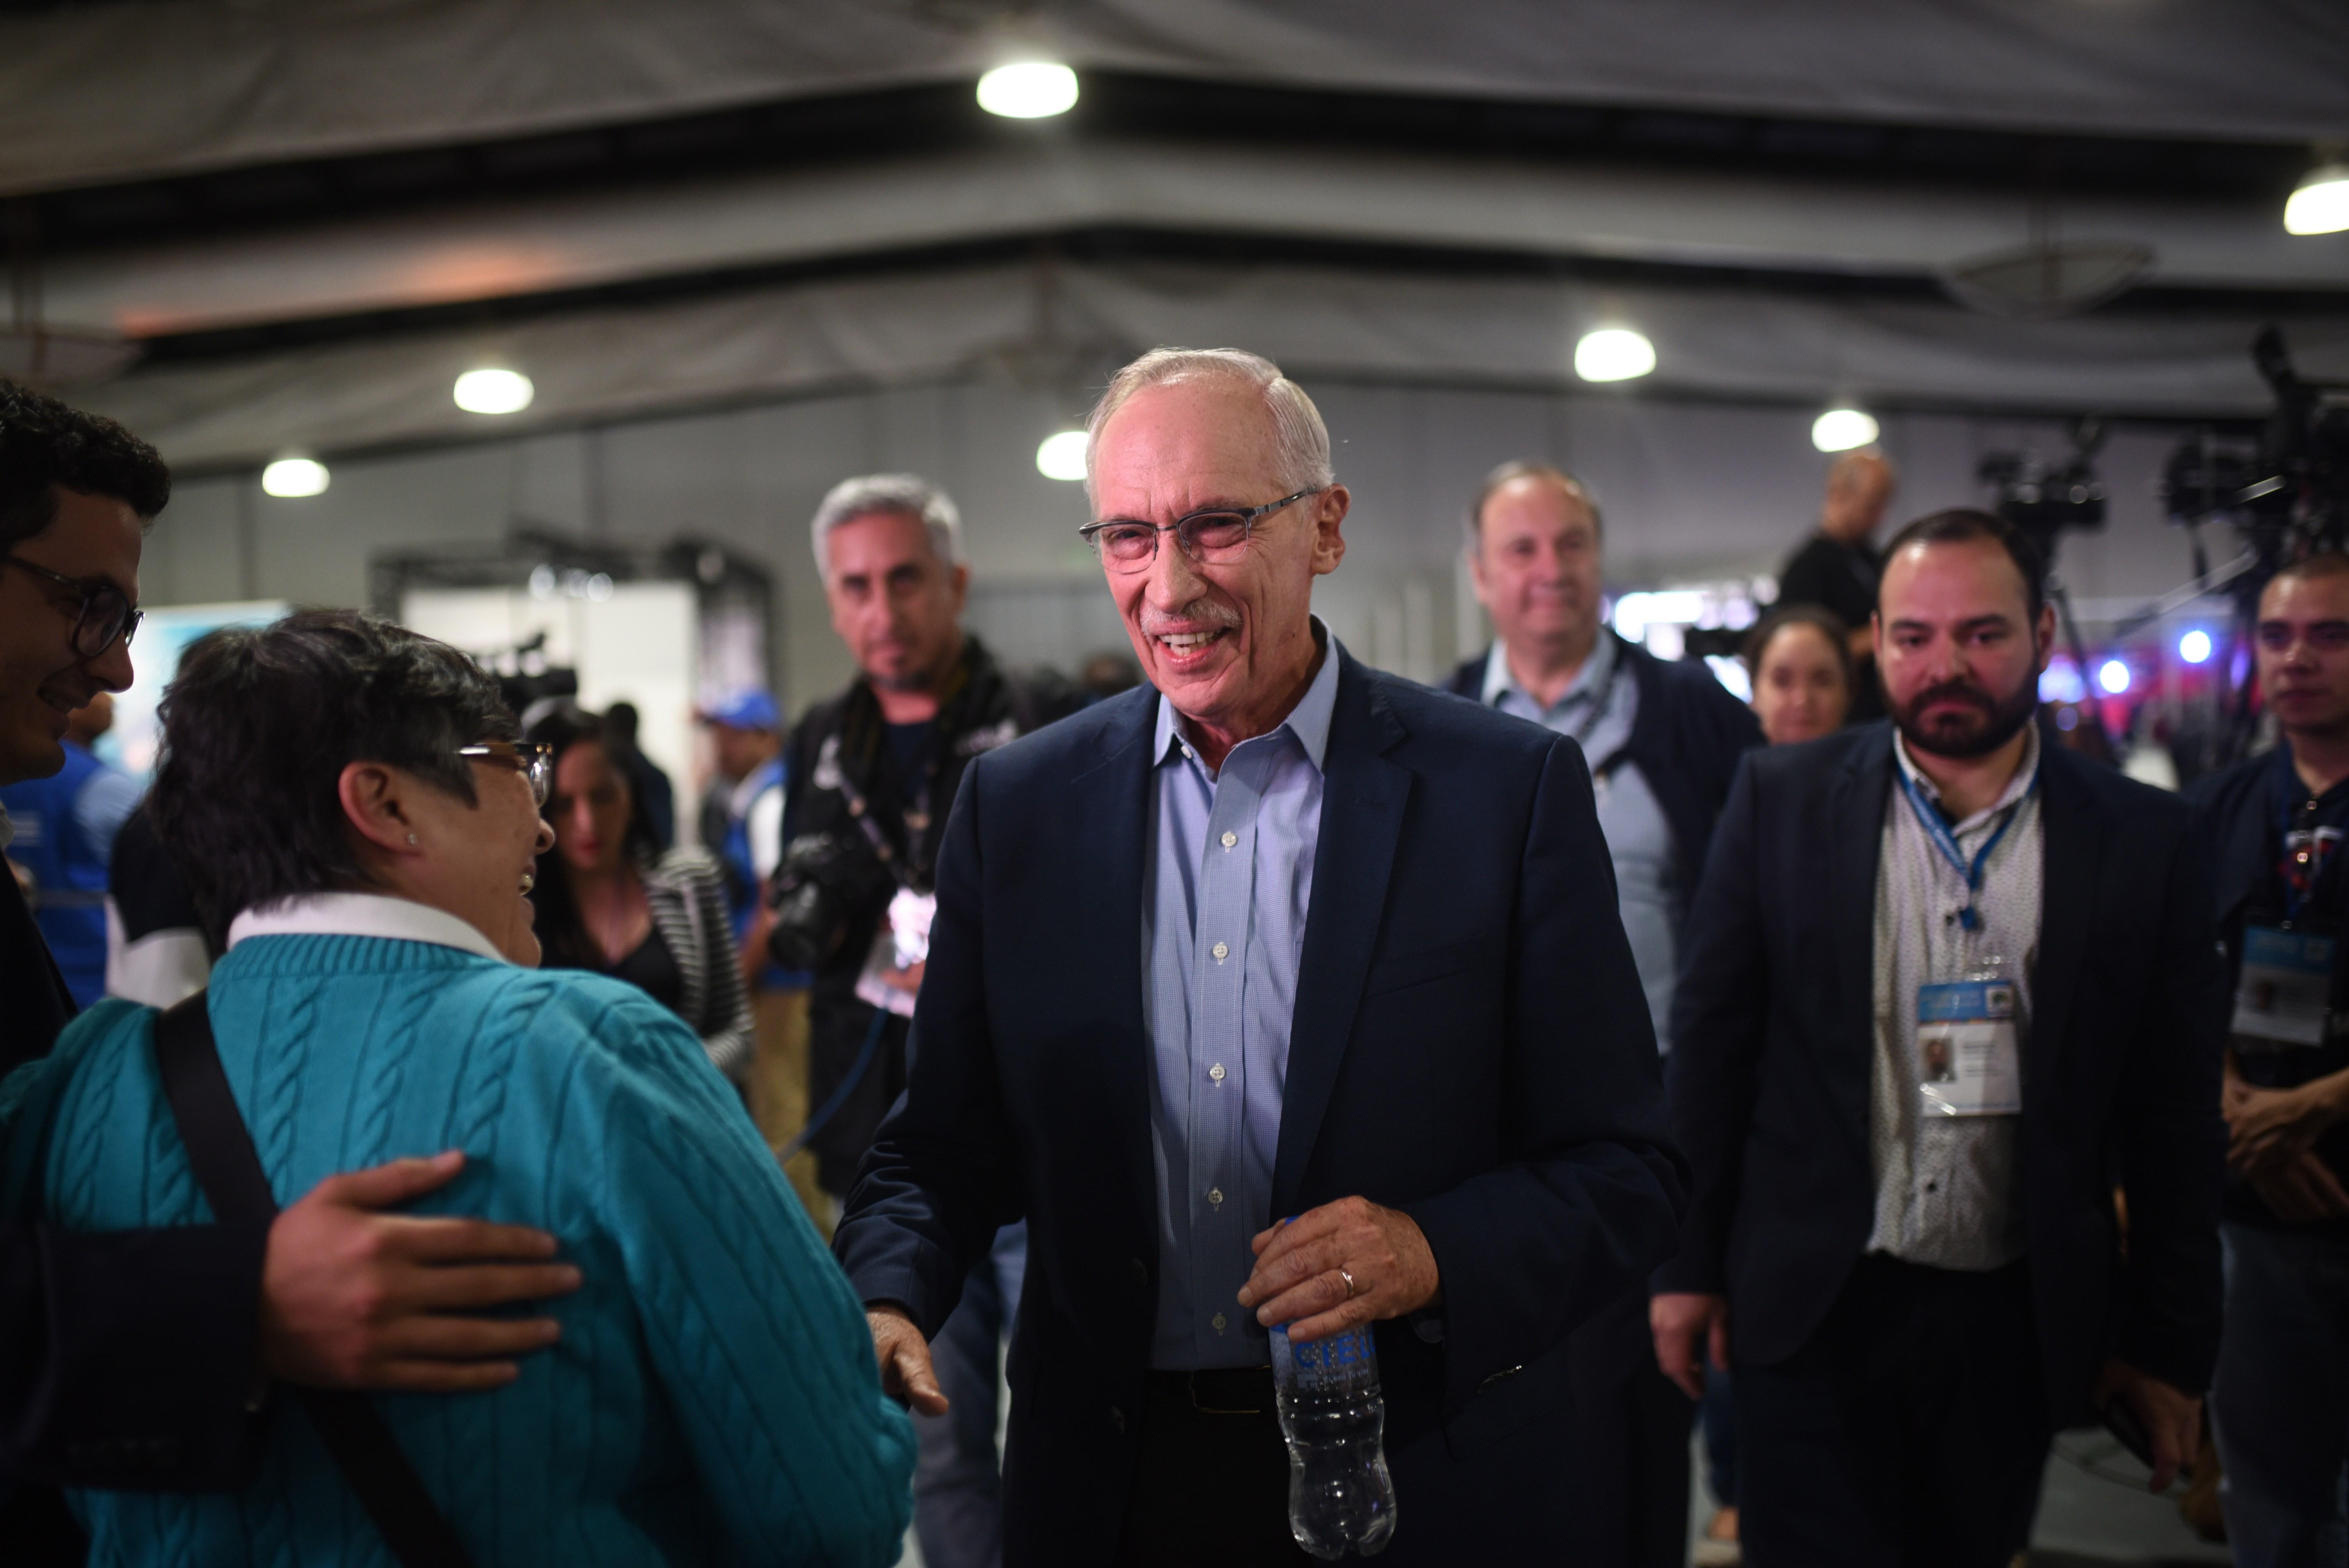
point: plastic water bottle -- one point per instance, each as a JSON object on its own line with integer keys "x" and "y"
{"x": 1341, "y": 1497}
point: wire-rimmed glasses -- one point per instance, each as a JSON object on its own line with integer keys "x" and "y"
{"x": 1210, "y": 535}
{"x": 534, "y": 760}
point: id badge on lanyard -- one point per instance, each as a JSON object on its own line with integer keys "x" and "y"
{"x": 2285, "y": 996}
{"x": 1968, "y": 1050}
{"x": 1969, "y": 1039}
{"x": 892, "y": 975}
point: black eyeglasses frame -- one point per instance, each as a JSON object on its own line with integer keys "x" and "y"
{"x": 80, "y": 639}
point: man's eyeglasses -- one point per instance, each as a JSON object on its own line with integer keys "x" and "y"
{"x": 104, "y": 614}
{"x": 1211, "y": 536}
{"x": 534, "y": 760}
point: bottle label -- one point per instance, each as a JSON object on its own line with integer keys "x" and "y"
{"x": 1333, "y": 1363}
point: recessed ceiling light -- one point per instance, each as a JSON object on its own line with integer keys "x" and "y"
{"x": 2321, "y": 205}
{"x": 1062, "y": 456}
{"x": 1841, "y": 429}
{"x": 494, "y": 391}
{"x": 292, "y": 478}
{"x": 1613, "y": 354}
{"x": 1029, "y": 89}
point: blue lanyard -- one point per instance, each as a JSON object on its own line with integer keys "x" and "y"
{"x": 1929, "y": 819}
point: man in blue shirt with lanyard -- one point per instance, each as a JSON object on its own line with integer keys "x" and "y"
{"x": 1945, "y": 986}
{"x": 2280, "y": 1400}
{"x": 1662, "y": 742}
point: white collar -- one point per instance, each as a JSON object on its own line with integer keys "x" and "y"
{"x": 361, "y": 914}
{"x": 2027, "y": 774}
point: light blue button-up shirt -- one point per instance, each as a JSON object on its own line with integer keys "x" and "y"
{"x": 1599, "y": 710}
{"x": 1223, "y": 902}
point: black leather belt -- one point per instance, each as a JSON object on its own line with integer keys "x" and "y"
{"x": 1226, "y": 1391}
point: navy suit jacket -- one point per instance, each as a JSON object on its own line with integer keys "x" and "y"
{"x": 1471, "y": 1046}
{"x": 1773, "y": 1042}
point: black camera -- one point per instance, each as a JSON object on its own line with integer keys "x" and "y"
{"x": 826, "y": 884}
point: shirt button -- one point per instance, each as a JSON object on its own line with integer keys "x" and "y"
{"x": 1215, "y": 1200}
{"x": 1221, "y": 952}
{"x": 1230, "y": 838}
{"x": 1218, "y": 1320}
{"x": 1217, "y": 1072}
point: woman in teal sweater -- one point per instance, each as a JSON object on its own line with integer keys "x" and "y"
{"x": 349, "y": 804}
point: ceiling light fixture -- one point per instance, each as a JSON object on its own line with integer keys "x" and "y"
{"x": 2321, "y": 205}
{"x": 1029, "y": 89}
{"x": 1062, "y": 456}
{"x": 1613, "y": 354}
{"x": 1841, "y": 429}
{"x": 494, "y": 391}
{"x": 290, "y": 479}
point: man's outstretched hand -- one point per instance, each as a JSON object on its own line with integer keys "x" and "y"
{"x": 353, "y": 1298}
{"x": 904, "y": 1358}
{"x": 1302, "y": 1267}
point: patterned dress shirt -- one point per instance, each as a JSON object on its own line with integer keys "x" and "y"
{"x": 1945, "y": 1185}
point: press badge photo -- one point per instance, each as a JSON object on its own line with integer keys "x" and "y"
{"x": 2285, "y": 996}
{"x": 1968, "y": 1058}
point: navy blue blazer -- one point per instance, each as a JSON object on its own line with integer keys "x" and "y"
{"x": 1471, "y": 1046}
{"x": 1773, "y": 1041}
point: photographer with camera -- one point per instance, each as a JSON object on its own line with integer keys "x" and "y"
{"x": 873, "y": 773}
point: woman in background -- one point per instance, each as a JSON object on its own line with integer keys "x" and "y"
{"x": 609, "y": 900}
{"x": 1800, "y": 661}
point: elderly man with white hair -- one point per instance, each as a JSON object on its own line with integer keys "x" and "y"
{"x": 1277, "y": 992}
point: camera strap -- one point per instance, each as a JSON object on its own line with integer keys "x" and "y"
{"x": 229, "y": 1170}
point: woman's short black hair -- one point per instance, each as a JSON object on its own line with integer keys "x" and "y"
{"x": 260, "y": 723}
{"x": 1826, "y": 622}
{"x": 561, "y": 930}
{"x": 46, "y": 445}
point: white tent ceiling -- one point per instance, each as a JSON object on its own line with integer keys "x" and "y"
{"x": 1058, "y": 329}
{"x": 764, "y": 218}
{"x": 138, "y": 88}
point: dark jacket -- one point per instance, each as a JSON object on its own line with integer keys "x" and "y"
{"x": 842, "y": 743}
{"x": 1773, "y": 1041}
{"x": 2239, "y": 821}
{"x": 1471, "y": 1045}
{"x": 127, "y": 1356}
{"x": 1687, "y": 737}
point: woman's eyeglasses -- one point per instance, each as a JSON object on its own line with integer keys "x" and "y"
{"x": 104, "y": 614}
{"x": 534, "y": 760}
{"x": 1215, "y": 535}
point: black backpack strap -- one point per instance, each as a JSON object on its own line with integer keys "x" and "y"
{"x": 229, "y": 1170}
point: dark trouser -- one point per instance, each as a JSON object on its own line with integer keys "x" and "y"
{"x": 1910, "y": 1431}
{"x": 1718, "y": 1415}
{"x": 2280, "y": 1401}
{"x": 1631, "y": 1488}
{"x": 1212, "y": 1487}
{"x": 958, "y": 1475}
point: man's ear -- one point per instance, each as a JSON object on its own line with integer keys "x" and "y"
{"x": 1329, "y": 513}
{"x": 373, "y": 796}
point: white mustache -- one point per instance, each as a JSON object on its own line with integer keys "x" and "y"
{"x": 1199, "y": 615}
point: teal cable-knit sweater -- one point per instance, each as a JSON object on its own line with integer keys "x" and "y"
{"x": 713, "y": 1397}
